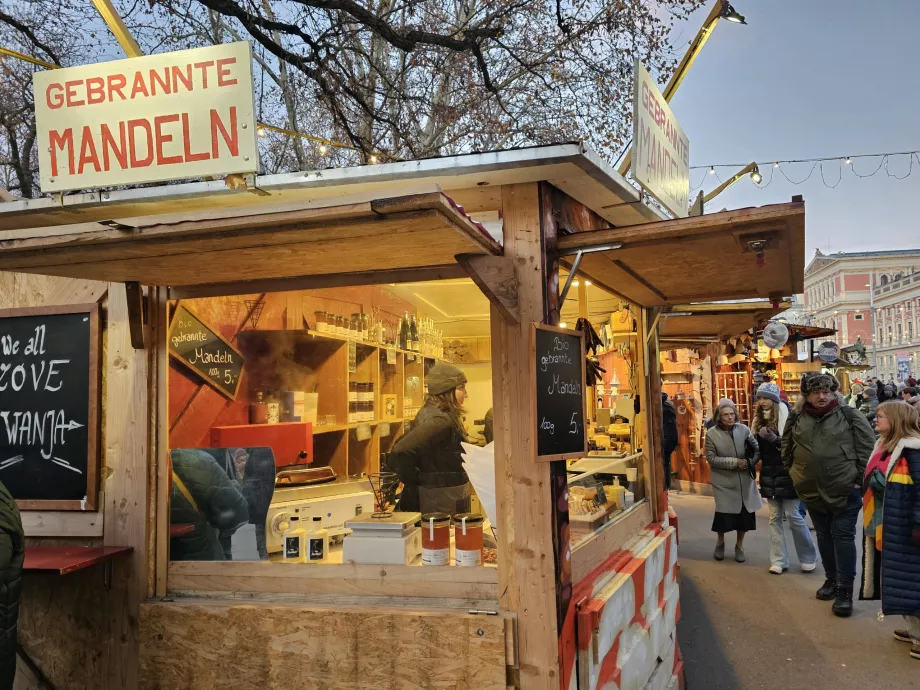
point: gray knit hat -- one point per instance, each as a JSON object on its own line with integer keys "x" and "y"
{"x": 871, "y": 392}
{"x": 768, "y": 390}
{"x": 725, "y": 402}
{"x": 444, "y": 377}
{"x": 817, "y": 381}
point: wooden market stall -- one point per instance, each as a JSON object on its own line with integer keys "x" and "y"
{"x": 507, "y": 219}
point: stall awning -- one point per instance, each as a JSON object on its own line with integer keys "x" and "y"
{"x": 714, "y": 322}
{"x": 392, "y": 234}
{"x": 748, "y": 253}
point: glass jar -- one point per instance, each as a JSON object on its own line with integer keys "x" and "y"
{"x": 353, "y": 391}
{"x": 352, "y": 412}
{"x": 435, "y": 539}
{"x": 320, "y": 326}
{"x": 340, "y": 327}
{"x": 468, "y": 539}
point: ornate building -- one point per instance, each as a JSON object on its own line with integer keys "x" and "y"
{"x": 837, "y": 295}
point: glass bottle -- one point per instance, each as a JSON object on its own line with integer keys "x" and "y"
{"x": 404, "y": 333}
{"x": 413, "y": 336}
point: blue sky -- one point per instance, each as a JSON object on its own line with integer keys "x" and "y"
{"x": 812, "y": 78}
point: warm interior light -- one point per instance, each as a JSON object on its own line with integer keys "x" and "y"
{"x": 373, "y": 159}
{"x": 756, "y": 176}
{"x": 563, "y": 325}
{"x": 587, "y": 282}
{"x": 729, "y": 13}
{"x": 574, "y": 283}
{"x": 323, "y": 149}
{"x": 261, "y": 131}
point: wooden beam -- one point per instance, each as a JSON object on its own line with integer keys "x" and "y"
{"x": 134, "y": 296}
{"x": 330, "y": 280}
{"x": 527, "y": 576}
{"x": 125, "y": 493}
{"x": 681, "y": 227}
{"x": 494, "y": 275}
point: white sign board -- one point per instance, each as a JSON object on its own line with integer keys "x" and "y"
{"x": 148, "y": 119}
{"x": 661, "y": 150}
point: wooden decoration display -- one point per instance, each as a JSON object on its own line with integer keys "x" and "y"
{"x": 205, "y": 352}
{"x": 559, "y": 365}
{"x": 49, "y": 406}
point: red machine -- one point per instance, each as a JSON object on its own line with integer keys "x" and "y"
{"x": 291, "y": 443}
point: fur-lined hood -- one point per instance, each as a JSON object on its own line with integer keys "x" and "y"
{"x": 907, "y": 442}
{"x": 800, "y": 403}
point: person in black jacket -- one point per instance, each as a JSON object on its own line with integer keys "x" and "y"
{"x": 12, "y": 554}
{"x": 776, "y": 485}
{"x": 669, "y": 437}
{"x": 427, "y": 459}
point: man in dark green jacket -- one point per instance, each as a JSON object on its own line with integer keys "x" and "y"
{"x": 12, "y": 554}
{"x": 203, "y": 496}
{"x": 826, "y": 447}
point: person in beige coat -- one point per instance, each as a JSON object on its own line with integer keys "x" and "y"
{"x": 732, "y": 453}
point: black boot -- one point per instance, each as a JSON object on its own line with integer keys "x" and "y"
{"x": 843, "y": 604}
{"x": 827, "y": 591}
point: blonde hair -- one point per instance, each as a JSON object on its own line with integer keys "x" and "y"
{"x": 903, "y": 422}
{"x": 765, "y": 418}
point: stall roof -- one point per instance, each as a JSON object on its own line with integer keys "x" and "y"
{"x": 700, "y": 258}
{"x": 797, "y": 332}
{"x": 715, "y": 322}
{"x": 420, "y": 231}
{"x": 473, "y": 180}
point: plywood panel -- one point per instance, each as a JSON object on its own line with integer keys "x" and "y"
{"x": 59, "y": 626}
{"x": 199, "y": 646}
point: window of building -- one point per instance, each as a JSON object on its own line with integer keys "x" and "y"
{"x": 857, "y": 317}
{"x": 884, "y": 280}
{"x": 900, "y": 332}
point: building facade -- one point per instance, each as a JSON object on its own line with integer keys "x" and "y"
{"x": 837, "y": 295}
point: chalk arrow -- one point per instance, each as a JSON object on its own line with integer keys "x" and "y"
{"x": 63, "y": 463}
{"x": 9, "y": 462}
{"x": 71, "y": 425}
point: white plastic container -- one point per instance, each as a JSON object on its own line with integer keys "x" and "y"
{"x": 317, "y": 541}
{"x": 294, "y": 542}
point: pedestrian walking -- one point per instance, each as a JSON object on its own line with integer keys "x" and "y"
{"x": 776, "y": 486}
{"x": 826, "y": 446}
{"x": 732, "y": 453}
{"x": 891, "y": 513}
{"x": 669, "y": 435}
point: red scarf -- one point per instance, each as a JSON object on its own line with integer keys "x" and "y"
{"x": 822, "y": 411}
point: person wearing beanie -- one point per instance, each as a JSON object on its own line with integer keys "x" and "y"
{"x": 427, "y": 459}
{"x": 770, "y": 417}
{"x": 732, "y": 453}
{"x": 870, "y": 403}
{"x": 825, "y": 448}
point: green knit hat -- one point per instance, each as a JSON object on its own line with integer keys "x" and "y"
{"x": 444, "y": 377}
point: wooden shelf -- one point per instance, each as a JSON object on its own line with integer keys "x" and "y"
{"x": 67, "y": 559}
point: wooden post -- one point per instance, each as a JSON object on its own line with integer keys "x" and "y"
{"x": 527, "y": 580}
{"x": 125, "y": 491}
{"x": 654, "y": 416}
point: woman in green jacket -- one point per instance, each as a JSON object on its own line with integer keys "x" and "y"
{"x": 12, "y": 554}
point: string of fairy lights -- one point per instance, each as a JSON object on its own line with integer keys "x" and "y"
{"x": 898, "y": 165}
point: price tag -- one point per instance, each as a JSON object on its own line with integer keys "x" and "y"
{"x": 352, "y": 357}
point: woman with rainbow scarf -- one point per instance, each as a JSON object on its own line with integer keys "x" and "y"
{"x": 891, "y": 514}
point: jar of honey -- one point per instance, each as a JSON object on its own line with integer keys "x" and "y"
{"x": 436, "y": 539}
{"x": 320, "y": 321}
{"x": 468, "y": 538}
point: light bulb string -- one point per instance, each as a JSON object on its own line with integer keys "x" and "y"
{"x": 817, "y": 164}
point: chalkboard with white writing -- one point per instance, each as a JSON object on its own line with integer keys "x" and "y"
{"x": 49, "y": 406}
{"x": 205, "y": 352}
{"x": 560, "y": 395}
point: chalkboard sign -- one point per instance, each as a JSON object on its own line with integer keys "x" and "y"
{"x": 559, "y": 363}
{"x": 205, "y": 352}
{"x": 49, "y": 406}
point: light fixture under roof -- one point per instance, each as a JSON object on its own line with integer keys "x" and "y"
{"x": 756, "y": 176}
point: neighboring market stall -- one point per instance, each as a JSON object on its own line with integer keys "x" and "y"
{"x": 254, "y": 280}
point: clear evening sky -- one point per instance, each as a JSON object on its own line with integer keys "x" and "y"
{"x": 804, "y": 79}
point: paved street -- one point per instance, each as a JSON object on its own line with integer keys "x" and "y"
{"x": 742, "y": 628}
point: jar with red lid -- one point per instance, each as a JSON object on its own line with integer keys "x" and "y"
{"x": 468, "y": 538}
{"x": 435, "y": 539}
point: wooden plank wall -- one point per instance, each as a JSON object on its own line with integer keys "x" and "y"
{"x": 79, "y": 634}
{"x": 195, "y": 645}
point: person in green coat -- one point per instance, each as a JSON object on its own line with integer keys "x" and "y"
{"x": 826, "y": 447}
{"x": 12, "y": 554}
{"x": 203, "y": 496}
